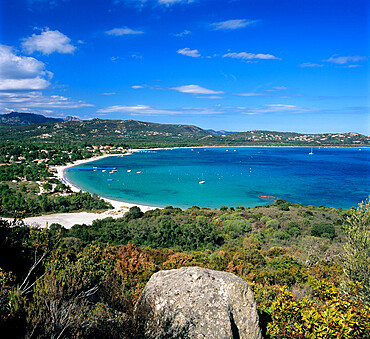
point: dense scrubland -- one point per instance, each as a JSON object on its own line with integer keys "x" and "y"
{"x": 140, "y": 134}
{"x": 28, "y": 184}
{"x": 308, "y": 267}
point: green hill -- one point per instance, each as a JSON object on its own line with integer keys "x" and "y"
{"x": 128, "y": 132}
{"x": 131, "y": 133}
{"x": 15, "y": 118}
{"x": 289, "y": 138}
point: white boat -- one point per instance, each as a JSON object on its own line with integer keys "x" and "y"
{"x": 103, "y": 170}
{"x": 128, "y": 171}
{"x": 138, "y": 172}
{"x": 202, "y": 182}
{"x": 311, "y": 153}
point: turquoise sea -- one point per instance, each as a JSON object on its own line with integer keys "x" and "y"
{"x": 233, "y": 176}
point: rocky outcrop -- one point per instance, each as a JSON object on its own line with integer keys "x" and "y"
{"x": 194, "y": 302}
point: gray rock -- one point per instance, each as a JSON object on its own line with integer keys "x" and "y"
{"x": 194, "y": 302}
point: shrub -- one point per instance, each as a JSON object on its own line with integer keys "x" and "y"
{"x": 273, "y": 223}
{"x": 284, "y": 207}
{"x": 294, "y": 232}
{"x": 357, "y": 249}
{"x": 251, "y": 243}
{"x": 282, "y": 235}
{"x": 236, "y": 227}
{"x": 293, "y": 228}
{"x": 329, "y": 314}
{"x": 47, "y": 187}
{"x": 293, "y": 224}
{"x": 305, "y": 222}
{"x": 265, "y": 219}
{"x": 323, "y": 230}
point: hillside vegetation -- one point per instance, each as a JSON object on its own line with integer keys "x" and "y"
{"x": 307, "y": 265}
{"x": 132, "y": 134}
{"x": 308, "y": 274}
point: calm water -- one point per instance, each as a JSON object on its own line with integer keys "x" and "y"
{"x": 234, "y": 176}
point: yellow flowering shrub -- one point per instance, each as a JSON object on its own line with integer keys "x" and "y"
{"x": 328, "y": 315}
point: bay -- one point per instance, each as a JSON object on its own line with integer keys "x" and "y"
{"x": 233, "y": 176}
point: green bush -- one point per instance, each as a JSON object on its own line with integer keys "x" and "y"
{"x": 294, "y": 232}
{"x": 273, "y": 223}
{"x": 236, "y": 227}
{"x": 293, "y": 224}
{"x": 282, "y": 235}
{"x": 265, "y": 219}
{"x": 305, "y": 222}
{"x": 323, "y": 230}
{"x": 357, "y": 249}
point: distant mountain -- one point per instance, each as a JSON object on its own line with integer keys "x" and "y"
{"x": 221, "y": 132}
{"x": 15, "y": 118}
{"x": 97, "y": 131}
{"x": 135, "y": 134}
{"x": 71, "y": 118}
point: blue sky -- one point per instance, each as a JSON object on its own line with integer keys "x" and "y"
{"x": 236, "y": 65}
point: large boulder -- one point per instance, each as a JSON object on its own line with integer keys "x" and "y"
{"x": 194, "y": 302}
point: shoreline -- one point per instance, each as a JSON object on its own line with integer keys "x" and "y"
{"x": 67, "y": 220}
{"x": 118, "y": 206}
{"x": 123, "y": 205}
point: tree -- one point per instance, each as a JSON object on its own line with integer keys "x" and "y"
{"x": 357, "y": 248}
{"x": 47, "y": 187}
{"x": 323, "y": 230}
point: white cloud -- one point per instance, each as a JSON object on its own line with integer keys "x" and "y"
{"x": 123, "y": 31}
{"x": 310, "y": 64}
{"x": 352, "y": 66}
{"x": 21, "y": 72}
{"x": 23, "y": 84}
{"x": 232, "y": 24}
{"x": 137, "y": 86}
{"x": 48, "y": 42}
{"x": 150, "y": 111}
{"x": 36, "y": 99}
{"x": 279, "y": 88}
{"x": 341, "y": 60}
{"x": 123, "y": 108}
{"x": 276, "y": 88}
{"x": 142, "y": 3}
{"x": 254, "y": 94}
{"x": 189, "y": 52}
{"x": 278, "y": 108}
{"x": 183, "y": 33}
{"x": 136, "y": 56}
{"x": 46, "y": 112}
{"x": 210, "y": 97}
{"x": 195, "y": 89}
{"x": 172, "y": 2}
{"x": 250, "y": 56}
{"x": 109, "y": 93}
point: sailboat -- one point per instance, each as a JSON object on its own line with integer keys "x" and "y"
{"x": 311, "y": 153}
{"x": 202, "y": 181}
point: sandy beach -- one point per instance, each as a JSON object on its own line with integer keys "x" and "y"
{"x": 69, "y": 219}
